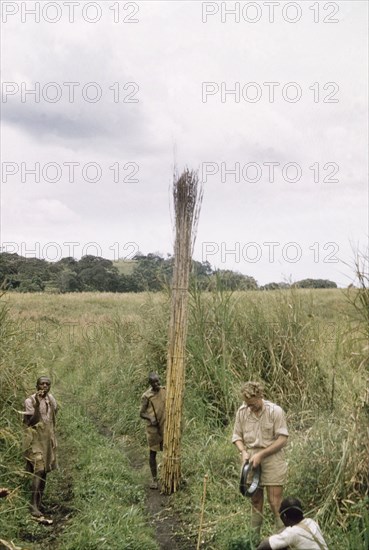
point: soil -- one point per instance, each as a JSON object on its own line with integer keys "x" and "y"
{"x": 59, "y": 507}
{"x": 168, "y": 527}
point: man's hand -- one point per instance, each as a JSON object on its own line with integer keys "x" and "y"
{"x": 276, "y": 446}
{"x": 40, "y": 395}
{"x": 256, "y": 459}
{"x": 154, "y": 422}
{"x": 245, "y": 457}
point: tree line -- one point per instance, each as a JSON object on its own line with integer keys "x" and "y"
{"x": 151, "y": 272}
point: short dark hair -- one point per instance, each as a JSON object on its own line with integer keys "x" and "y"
{"x": 291, "y": 507}
{"x": 41, "y": 377}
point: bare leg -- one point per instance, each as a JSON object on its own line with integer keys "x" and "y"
{"x": 257, "y": 501}
{"x": 38, "y": 486}
{"x": 41, "y": 489}
{"x": 154, "y": 469}
{"x": 274, "y": 493}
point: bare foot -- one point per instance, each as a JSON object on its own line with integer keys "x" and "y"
{"x": 35, "y": 511}
{"x": 154, "y": 485}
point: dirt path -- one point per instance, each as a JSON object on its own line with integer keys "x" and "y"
{"x": 168, "y": 527}
{"x": 169, "y": 530}
{"x": 57, "y": 505}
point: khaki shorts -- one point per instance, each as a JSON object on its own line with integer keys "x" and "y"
{"x": 154, "y": 438}
{"x": 273, "y": 468}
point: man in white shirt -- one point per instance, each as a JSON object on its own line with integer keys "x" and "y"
{"x": 300, "y": 533}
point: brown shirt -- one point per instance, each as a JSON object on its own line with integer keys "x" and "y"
{"x": 259, "y": 431}
{"x": 39, "y": 441}
{"x": 155, "y": 408}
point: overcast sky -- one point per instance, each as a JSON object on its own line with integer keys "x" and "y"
{"x": 269, "y": 103}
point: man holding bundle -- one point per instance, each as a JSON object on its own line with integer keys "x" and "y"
{"x": 260, "y": 433}
{"x": 153, "y": 411}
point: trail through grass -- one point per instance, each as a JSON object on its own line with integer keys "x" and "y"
{"x": 305, "y": 346}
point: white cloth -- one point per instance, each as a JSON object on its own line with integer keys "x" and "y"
{"x": 298, "y": 538}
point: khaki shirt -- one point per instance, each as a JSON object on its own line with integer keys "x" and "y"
{"x": 39, "y": 441}
{"x": 156, "y": 405}
{"x": 156, "y": 409}
{"x": 259, "y": 431}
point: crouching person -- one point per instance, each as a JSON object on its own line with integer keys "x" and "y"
{"x": 300, "y": 533}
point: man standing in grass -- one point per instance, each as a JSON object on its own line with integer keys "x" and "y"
{"x": 260, "y": 433}
{"x": 300, "y": 533}
{"x": 39, "y": 439}
{"x": 153, "y": 411}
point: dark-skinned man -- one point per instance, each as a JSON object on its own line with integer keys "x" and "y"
{"x": 153, "y": 411}
{"x": 300, "y": 533}
{"x": 39, "y": 439}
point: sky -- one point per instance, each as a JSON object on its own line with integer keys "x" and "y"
{"x": 267, "y": 100}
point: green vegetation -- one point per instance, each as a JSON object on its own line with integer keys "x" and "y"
{"x": 310, "y": 349}
{"x": 143, "y": 273}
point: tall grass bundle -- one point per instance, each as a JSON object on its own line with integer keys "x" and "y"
{"x": 187, "y": 196}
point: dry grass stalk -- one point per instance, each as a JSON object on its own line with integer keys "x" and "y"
{"x": 202, "y": 511}
{"x": 187, "y": 196}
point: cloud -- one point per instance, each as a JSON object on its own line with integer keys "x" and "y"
{"x": 169, "y": 54}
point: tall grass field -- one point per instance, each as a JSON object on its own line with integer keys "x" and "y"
{"x": 308, "y": 347}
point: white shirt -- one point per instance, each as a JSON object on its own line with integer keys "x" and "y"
{"x": 299, "y": 538}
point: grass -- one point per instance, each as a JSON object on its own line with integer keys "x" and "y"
{"x": 306, "y": 345}
{"x": 108, "y": 499}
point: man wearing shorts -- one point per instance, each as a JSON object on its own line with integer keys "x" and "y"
{"x": 153, "y": 411}
{"x": 260, "y": 434}
{"x": 39, "y": 439}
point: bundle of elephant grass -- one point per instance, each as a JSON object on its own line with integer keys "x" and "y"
{"x": 187, "y": 196}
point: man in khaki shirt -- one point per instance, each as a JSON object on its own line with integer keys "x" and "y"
{"x": 153, "y": 411}
{"x": 260, "y": 433}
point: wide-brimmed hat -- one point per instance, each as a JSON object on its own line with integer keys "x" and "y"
{"x": 247, "y": 490}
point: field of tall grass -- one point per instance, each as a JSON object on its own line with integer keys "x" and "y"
{"x": 309, "y": 348}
